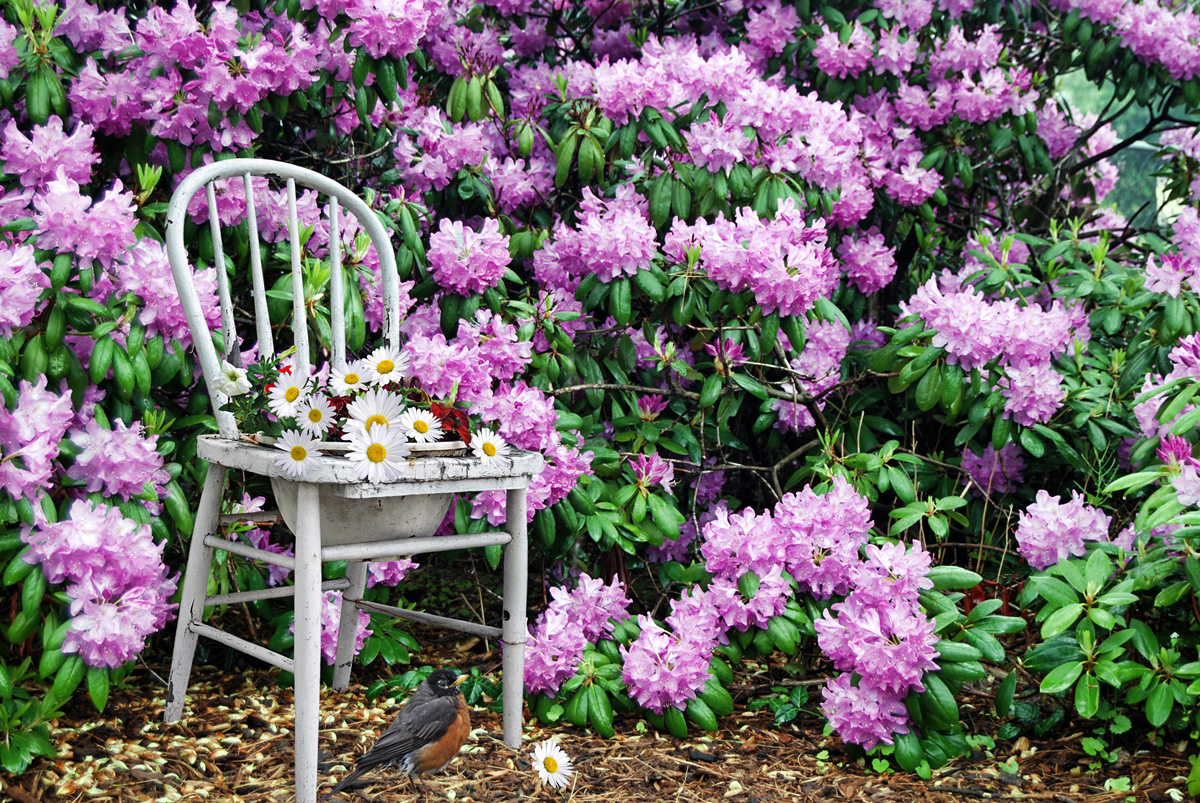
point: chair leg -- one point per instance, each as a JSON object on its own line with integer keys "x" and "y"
{"x": 195, "y": 587}
{"x": 356, "y": 573}
{"x": 308, "y": 640}
{"x": 516, "y": 581}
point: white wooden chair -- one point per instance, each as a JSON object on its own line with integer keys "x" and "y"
{"x": 331, "y": 477}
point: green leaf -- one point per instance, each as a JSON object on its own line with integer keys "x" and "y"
{"x": 1097, "y": 569}
{"x": 751, "y": 386}
{"x": 1053, "y": 590}
{"x": 97, "y": 680}
{"x": 1061, "y": 678}
{"x": 1061, "y": 619}
{"x": 953, "y": 577}
{"x": 1159, "y": 704}
{"x": 1087, "y": 696}
{"x": 1004, "y": 695}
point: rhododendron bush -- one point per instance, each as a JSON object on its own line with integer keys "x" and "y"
{"x": 839, "y": 357}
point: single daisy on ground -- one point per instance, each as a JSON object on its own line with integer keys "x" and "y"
{"x": 354, "y": 376}
{"x": 287, "y": 395}
{"x": 487, "y": 445}
{"x": 421, "y": 426}
{"x": 378, "y": 453}
{"x": 298, "y": 451}
{"x": 233, "y": 380}
{"x": 375, "y": 407}
{"x": 387, "y": 365}
{"x": 315, "y": 416}
{"x": 552, "y": 764}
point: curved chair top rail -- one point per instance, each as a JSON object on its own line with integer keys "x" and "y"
{"x": 210, "y": 363}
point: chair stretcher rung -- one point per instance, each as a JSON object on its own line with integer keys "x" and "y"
{"x": 390, "y": 550}
{"x": 269, "y": 593}
{"x": 264, "y": 516}
{"x": 238, "y": 548}
{"x": 430, "y": 619}
{"x": 242, "y": 645}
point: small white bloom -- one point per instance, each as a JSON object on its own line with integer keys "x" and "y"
{"x": 552, "y": 764}
{"x": 375, "y": 407}
{"x": 315, "y": 416}
{"x": 387, "y": 365}
{"x": 353, "y": 377}
{"x": 232, "y": 381}
{"x": 287, "y": 395}
{"x": 378, "y": 453}
{"x": 421, "y": 426}
{"x": 298, "y": 451}
{"x": 487, "y": 445}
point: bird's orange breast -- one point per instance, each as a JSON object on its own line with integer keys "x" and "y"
{"x": 439, "y": 753}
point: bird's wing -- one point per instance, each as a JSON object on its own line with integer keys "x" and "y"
{"x": 415, "y": 726}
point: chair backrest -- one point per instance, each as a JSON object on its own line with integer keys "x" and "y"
{"x": 181, "y": 268}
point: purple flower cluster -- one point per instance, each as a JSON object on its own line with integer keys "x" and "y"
{"x": 665, "y": 669}
{"x": 994, "y": 472}
{"x": 572, "y": 620}
{"x": 1185, "y": 362}
{"x": 1156, "y": 32}
{"x": 116, "y": 578}
{"x": 22, "y": 281}
{"x": 1050, "y": 530}
{"x": 613, "y": 238}
{"x": 881, "y": 637}
{"x": 870, "y": 263}
{"x": 118, "y": 462}
{"x": 29, "y": 438}
{"x": 331, "y": 623}
{"x": 785, "y": 262}
{"x": 37, "y": 159}
{"x": 465, "y": 261}
{"x": 817, "y": 370}
{"x": 70, "y": 222}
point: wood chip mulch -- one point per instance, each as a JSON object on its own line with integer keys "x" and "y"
{"x": 235, "y": 744}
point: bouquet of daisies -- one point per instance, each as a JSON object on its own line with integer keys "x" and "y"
{"x": 370, "y": 412}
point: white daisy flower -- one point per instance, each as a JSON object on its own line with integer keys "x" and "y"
{"x": 299, "y": 450}
{"x": 375, "y": 407}
{"x": 552, "y": 764}
{"x": 232, "y": 381}
{"x": 421, "y": 426}
{"x": 315, "y": 416}
{"x": 353, "y": 377}
{"x": 387, "y": 365}
{"x": 487, "y": 445}
{"x": 378, "y": 453}
{"x": 287, "y": 395}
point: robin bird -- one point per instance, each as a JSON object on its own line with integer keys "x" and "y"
{"x": 426, "y": 734}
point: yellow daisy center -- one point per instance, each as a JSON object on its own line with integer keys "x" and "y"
{"x": 351, "y": 379}
{"x": 376, "y": 453}
{"x": 314, "y": 415}
{"x": 299, "y": 453}
{"x": 291, "y": 394}
{"x": 421, "y": 426}
{"x": 489, "y": 449}
{"x": 548, "y": 762}
{"x": 375, "y": 419}
{"x": 385, "y": 366}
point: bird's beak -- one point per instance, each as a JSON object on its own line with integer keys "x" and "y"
{"x": 458, "y": 681}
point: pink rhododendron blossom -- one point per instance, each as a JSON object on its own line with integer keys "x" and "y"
{"x": 29, "y": 438}
{"x": 466, "y": 261}
{"x": 865, "y": 714}
{"x": 37, "y": 160}
{"x": 1050, "y": 530}
{"x": 118, "y": 461}
{"x": 22, "y": 281}
{"x": 994, "y": 472}
{"x": 331, "y": 623}
{"x": 70, "y": 222}
{"x": 664, "y": 669}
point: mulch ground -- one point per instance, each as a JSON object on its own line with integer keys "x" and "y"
{"x": 235, "y": 744}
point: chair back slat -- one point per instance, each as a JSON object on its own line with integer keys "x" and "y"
{"x": 227, "y": 325}
{"x": 339, "y": 200}
{"x": 262, "y": 317}
{"x": 299, "y": 309}
{"x": 337, "y": 293}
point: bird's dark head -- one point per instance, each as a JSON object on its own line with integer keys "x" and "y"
{"x": 444, "y": 682}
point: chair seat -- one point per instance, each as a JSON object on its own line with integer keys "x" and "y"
{"x": 422, "y": 475}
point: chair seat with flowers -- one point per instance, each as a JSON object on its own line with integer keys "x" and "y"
{"x": 362, "y": 462}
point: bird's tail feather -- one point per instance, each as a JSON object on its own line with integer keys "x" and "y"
{"x": 352, "y": 776}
